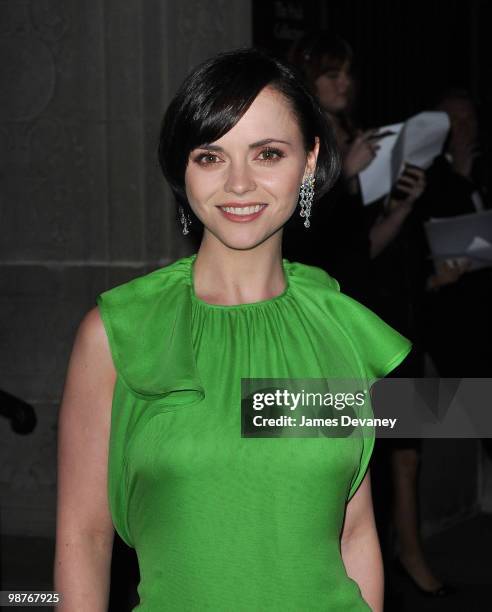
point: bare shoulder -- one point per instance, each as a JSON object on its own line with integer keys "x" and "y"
{"x": 91, "y": 330}
{"x": 91, "y": 374}
{"x": 92, "y": 322}
{"x": 91, "y": 342}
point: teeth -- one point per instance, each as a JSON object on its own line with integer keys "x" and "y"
{"x": 243, "y": 210}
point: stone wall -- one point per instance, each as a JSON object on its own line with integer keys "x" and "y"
{"x": 83, "y": 204}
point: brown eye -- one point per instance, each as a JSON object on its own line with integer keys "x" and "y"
{"x": 206, "y": 158}
{"x": 271, "y": 154}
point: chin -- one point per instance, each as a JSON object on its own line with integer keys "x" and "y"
{"x": 246, "y": 239}
{"x": 337, "y": 106}
{"x": 342, "y": 104}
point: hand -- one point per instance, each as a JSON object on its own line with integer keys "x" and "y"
{"x": 411, "y": 184}
{"x": 448, "y": 272}
{"x": 360, "y": 153}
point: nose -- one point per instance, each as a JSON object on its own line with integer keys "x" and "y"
{"x": 239, "y": 178}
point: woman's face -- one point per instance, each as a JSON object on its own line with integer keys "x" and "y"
{"x": 245, "y": 185}
{"x": 333, "y": 88}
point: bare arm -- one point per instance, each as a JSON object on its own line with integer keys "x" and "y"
{"x": 386, "y": 228}
{"x": 360, "y": 549}
{"x": 84, "y": 530}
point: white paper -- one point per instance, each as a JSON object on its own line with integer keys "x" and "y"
{"x": 376, "y": 179}
{"x": 418, "y": 141}
{"x": 477, "y": 244}
{"x": 467, "y": 235}
{"x": 480, "y": 249}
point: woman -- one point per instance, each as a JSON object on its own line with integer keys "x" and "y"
{"x": 456, "y": 293}
{"x": 220, "y": 521}
{"x": 326, "y": 63}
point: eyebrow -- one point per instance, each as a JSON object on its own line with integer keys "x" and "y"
{"x": 253, "y": 145}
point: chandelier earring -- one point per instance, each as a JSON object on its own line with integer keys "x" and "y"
{"x": 306, "y": 195}
{"x": 185, "y": 220}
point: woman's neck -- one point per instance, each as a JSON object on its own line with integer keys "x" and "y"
{"x": 228, "y": 276}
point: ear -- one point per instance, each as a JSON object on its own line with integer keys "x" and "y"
{"x": 312, "y": 158}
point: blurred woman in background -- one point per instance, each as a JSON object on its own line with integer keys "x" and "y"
{"x": 457, "y": 314}
{"x": 326, "y": 63}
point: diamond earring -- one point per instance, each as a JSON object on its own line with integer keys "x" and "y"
{"x": 306, "y": 195}
{"x": 185, "y": 220}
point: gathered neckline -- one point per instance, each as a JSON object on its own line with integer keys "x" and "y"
{"x": 245, "y": 305}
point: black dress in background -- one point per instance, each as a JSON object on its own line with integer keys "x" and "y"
{"x": 456, "y": 322}
{"x": 399, "y": 275}
{"x": 337, "y": 241}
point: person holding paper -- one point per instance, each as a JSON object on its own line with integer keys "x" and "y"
{"x": 341, "y": 239}
{"x": 458, "y": 299}
{"x": 451, "y": 316}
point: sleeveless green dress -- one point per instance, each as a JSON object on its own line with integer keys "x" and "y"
{"x": 222, "y": 522}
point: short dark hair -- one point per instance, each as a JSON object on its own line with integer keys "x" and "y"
{"x": 215, "y": 96}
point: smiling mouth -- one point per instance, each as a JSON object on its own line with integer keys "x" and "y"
{"x": 243, "y": 211}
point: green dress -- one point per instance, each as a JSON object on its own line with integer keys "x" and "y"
{"x": 222, "y": 522}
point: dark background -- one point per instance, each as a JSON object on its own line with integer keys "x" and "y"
{"x": 406, "y": 53}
